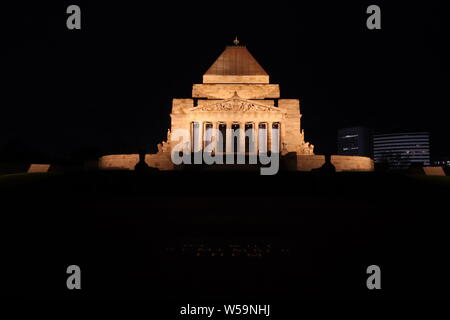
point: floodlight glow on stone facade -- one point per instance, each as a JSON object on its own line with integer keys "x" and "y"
{"x": 236, "y": 91}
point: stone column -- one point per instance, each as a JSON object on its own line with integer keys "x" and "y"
{"x": 252, "y": 145}
{"x": 218, "y": 134}
{"x": 200, "y": 135}
{"x": 194, "y": 132}
{"x": 207, "y": 136}
{"x": 229, "y": 157}
{"x": 256, "y": 137}
{"x": 276, "y": 145}
{"x": 214, "y": 135}
{"x": 242, "y": 137}
{"x": 282, "y": 131}
{"x": 229, "y": 137}
{"x": 263, "y": 138}
{"x": 197, "y": 138}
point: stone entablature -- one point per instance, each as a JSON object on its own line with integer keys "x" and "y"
{"x": 245, "y": 91}
{"x": 235, "y": 104}
{"x": 235, "y": 79}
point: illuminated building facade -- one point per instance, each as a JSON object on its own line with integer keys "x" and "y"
{"x": 236, "y": 110}
{"x": 401, "y": 150}
{"x": 354, "y": 141}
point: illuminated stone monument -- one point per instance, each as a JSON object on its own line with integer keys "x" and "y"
{"x": 236, "y": 110}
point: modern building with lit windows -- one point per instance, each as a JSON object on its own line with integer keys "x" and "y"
{"x": 354, "y": 141}
{"x": 402, "y": 150}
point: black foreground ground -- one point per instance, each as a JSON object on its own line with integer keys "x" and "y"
{"x": 224, "y": 236}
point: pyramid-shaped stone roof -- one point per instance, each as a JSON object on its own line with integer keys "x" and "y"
{"x": 236, "y": 65}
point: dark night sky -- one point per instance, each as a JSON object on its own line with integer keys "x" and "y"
{"x": 110, "y": 85}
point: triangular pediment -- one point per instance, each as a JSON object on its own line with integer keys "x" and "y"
{"x": 235, "y": 104}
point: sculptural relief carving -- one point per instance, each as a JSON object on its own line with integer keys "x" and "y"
{"x": 234, "y": 105}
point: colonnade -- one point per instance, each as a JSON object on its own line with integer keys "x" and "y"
{"x": 235, "y": 136}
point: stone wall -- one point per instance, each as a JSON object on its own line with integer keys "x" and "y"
{"x": 118, "y": 161}
{"x": 434, "y": 171}
{"x": 291, "y": 132}
{"x": 352, "y": 163}
{"x": 309, "y": 162}
{"x": 38, "y": 168}
{"x": 341, "y": 163}
{"x": 159, "y": 160}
